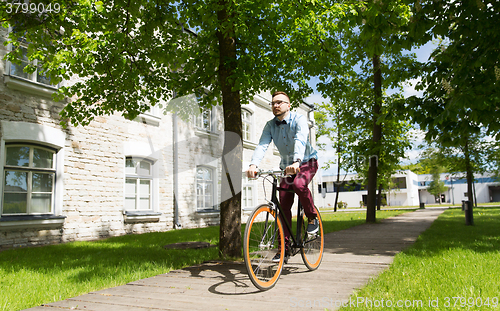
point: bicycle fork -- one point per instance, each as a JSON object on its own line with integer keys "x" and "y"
{"x": 273, "y": 229}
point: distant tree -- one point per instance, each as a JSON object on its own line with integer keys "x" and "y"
{"x": 436, "y": 186}
{"x": 416, "y": 168}
{"x": 494, "y": 159}
{"x": 361, "y": 56}
{"x": 430, "y": 159}
{"x": 471, "y": 158}
{"x": 461, "y": 80}
{"x": 339, "y": 127}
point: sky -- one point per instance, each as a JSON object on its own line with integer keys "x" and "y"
{"x": 423, "y": 54}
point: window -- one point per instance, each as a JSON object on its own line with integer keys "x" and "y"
{"x": 138, "y": 184}
{"x": 330, "y": 187}
{"x": 247, "y": 201}
{"x": 246, "y": 117}
{"x": 155, "y": 111}
{"x": 322, "y": 187}
{"x": 204, "y": 188}
{"x": 347, "y": 186}
{"x": 29, "y": 178}
{"x": 152, "y": 116}
{"x": 203, "y": 121}
{"x": 399, "y": 183}
{"x": 18, "y": 70}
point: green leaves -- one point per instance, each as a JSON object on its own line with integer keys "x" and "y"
{"x": 461, "y": 99}
{"x": 466, "y": 64}
{"x": 109, "y": 46}
{"x": 99, "y": 5}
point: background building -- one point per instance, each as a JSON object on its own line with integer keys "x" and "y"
{"x": 486, "y": 188}
{"x": 409, "y": 189}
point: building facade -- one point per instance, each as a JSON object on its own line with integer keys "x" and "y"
{"x": 352, "y": 192}
{"x": 409, "y": 189}
{"x": 486, "y": 188}
{"x": 114, "y": 176}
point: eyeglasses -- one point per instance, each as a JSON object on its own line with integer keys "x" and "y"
{"x": 278, "y": 102}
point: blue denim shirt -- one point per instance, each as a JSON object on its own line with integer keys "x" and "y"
{"x": 291, "y": 139}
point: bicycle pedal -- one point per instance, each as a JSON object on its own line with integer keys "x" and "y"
{"x": 312, "y": 235}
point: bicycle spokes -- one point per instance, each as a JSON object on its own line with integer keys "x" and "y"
{"x": 312, "y": 250}
{"x": 263, "y": 240}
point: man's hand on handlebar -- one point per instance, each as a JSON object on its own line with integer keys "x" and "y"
{"x": 252, "y": 171}
{"x": 292, "y": 169}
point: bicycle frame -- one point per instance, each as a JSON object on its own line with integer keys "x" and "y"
{"x": 297, "y": 241}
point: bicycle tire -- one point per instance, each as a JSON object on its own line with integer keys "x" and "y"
{"x": 312, "y": 252}
{"x": 262, "y": 240}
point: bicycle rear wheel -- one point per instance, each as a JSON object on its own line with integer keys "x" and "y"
{"x": 263, "y": 238}
{"x": 312, "y": 252}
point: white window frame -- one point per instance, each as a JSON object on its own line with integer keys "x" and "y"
{"x": 154, "y": 111}
{"x": 37, "y": 134}
{"x": 30, "y": 83}
{"x": 144, "y": 150}
{"x": 247, "y": 124}
{"x": 30, "y": 170}
{"x": 152, "y": 116}
{"x": 205, "y": 114}
{"x": 248, "y": 202}
{"x": 213, "y": 172}
{"x": 138, "y": 177}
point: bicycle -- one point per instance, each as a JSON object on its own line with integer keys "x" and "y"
{"x": 264, "y": 237}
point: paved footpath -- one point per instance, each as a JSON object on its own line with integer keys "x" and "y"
{"x": 351, "y": 258}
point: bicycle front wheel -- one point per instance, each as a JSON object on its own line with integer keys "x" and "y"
{"x": 312, "y": 252}
{"x": 263, "y": 239}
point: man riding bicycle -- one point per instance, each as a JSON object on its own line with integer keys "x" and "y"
{"x": 290, "y": 133}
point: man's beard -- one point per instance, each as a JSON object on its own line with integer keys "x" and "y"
{"x": 280, "y": 114}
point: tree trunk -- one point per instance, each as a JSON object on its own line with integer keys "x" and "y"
{"x": 379, "y": 197}
{"x": 230, "y": 209}
{"x": 338, "y": 188}
{"x": 338, "y": 166}
{"x": 469, "y": 172}
{"x": 377, "y": 135}
{"x": 475, "y": 194}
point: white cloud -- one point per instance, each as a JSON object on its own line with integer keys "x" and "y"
{"x": 316, "y": 98}
{"x": 423, "y": 52}
{"x": 412, "y": 155}
{"x": 418, "y": 135}
{"x": 327, "y": 155}
{"x": 409, "y": 88}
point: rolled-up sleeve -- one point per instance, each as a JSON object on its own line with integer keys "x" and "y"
{"x": 301, "y": 138}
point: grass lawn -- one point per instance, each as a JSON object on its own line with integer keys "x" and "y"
{"x": 451, "y": 266}
{"x": 32, "y": 276}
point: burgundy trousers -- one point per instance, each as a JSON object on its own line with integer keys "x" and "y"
{"x": 298, "y": 183}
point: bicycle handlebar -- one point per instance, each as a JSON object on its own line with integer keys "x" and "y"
{"x": 275, "y": 173}
{"x": 271, "y": 172}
